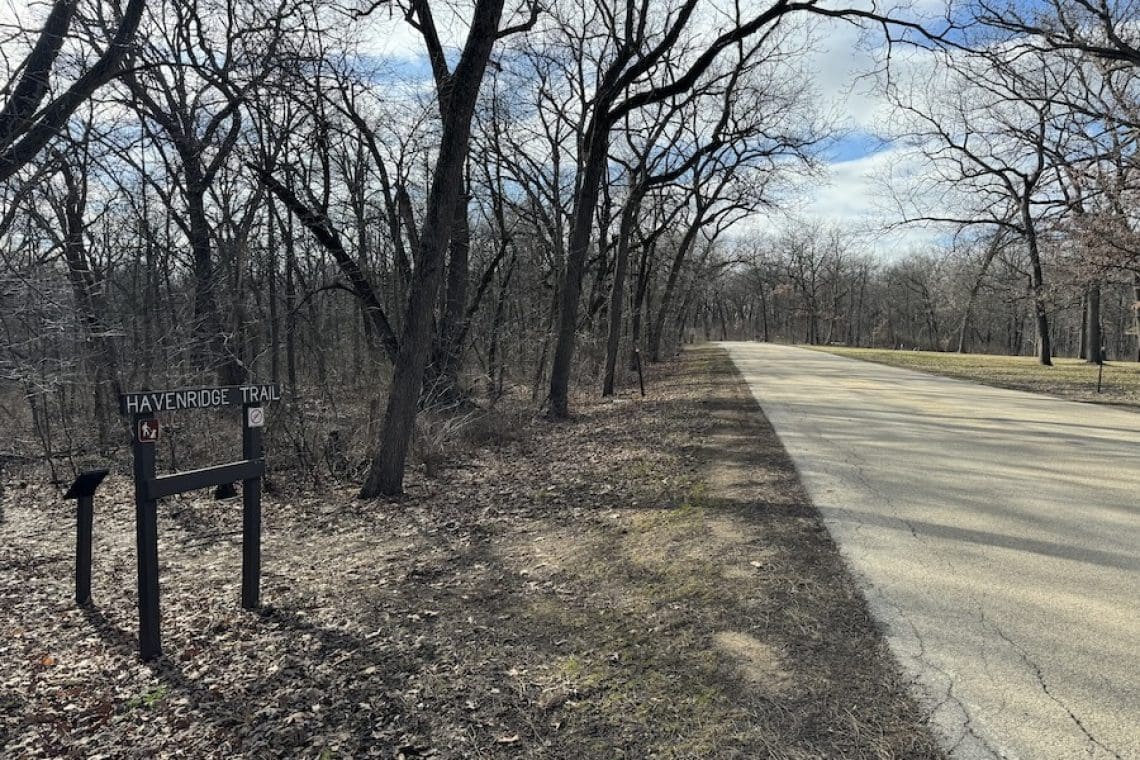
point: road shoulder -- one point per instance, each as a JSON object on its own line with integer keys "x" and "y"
{"x": 647, "y": 580}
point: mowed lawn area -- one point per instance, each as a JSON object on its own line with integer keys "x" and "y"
{"x": 1068, "y": 378}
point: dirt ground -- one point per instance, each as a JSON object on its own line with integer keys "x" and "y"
{"x": 646, "y": 581}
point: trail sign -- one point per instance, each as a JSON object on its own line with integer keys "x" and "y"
{"x": 150, "y": 487}
{"x": 148, "y": 430}
{"x": 152, "y": 402}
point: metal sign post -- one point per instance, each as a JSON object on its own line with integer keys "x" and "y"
{"x": 149, "y": 488}
{"x": 252, "y": 420}
{"x": 146, "y": 535}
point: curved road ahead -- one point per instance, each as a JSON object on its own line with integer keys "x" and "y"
{"x": 996, "y": 534}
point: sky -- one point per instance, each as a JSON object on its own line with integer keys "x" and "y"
{"x": 850, "y": 191}
{"x": 863, "y": 169}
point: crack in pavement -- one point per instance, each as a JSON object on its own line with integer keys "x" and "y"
{"x": 1040, "y": 676}
{"x": 856, "y": 464}
{"x": 925, "y": 679}
{"x": 967, "y": 719}
{"x": 984, "y": 655}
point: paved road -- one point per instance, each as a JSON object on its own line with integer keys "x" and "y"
{"x": 997, "y": 535}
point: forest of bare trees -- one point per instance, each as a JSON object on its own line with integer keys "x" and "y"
{"x": 220, "y": 191}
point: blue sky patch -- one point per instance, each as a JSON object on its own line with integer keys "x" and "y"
{"x": 852, "y": 147}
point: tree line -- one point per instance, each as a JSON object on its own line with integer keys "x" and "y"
{"x": 219, "y": 191}
{"x": 815, "y": 284}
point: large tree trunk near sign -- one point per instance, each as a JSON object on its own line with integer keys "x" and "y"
{"x": 386, "y": 472}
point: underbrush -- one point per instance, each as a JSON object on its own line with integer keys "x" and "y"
{"x": 315, "y": 435}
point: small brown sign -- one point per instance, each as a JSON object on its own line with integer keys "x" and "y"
{"x": 148, "y": 431}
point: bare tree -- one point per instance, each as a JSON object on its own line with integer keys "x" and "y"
{"x": 458, "y": 92}
{"x": 27, "y": 122}
{"x": 990, "y": 125}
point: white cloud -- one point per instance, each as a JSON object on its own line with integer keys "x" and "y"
{"x": 386, "y": 35}
{"x": 856, "y": 197}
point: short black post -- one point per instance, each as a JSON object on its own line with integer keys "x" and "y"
{"x": 253, "y": 418}
{"x": 640, "y": 377}
{"x": 146, "y": 538}
{"x": 83, "y": 491}
{"x": 83, "y": 528}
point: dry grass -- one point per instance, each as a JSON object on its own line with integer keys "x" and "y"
{"x": 648, "y": 580}
{"x": 1068, "y": 378}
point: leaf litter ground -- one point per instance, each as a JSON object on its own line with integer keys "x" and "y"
{"x": 646, "y": 581}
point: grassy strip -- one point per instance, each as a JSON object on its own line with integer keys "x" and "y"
{"x": 646, "y": 581}
{"x": 1068, "y": 378}
{"x": 732, "y": 626}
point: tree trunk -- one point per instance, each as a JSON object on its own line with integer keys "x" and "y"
{"x": 1092, "y": 324}
{"x": 1037, "y": 284}
{"x": 449, "y": 349}
{"x": 991, "y": 252}
{"x": 274, "y": 307}
{"x": 1083, "y": 337}
{"x": 585, "y": 203}
{"x": 1136, "y": 310}
{"x": 637, "y": 307}
{"x": 764, "y": 313}
{"x": 678, "y": 263}
{"x": 494, "y": 389}
{"x": 386, "y": 473}
{"x": 617, "y": 292}
{"x": 91, "y": 307}
{"x": 290, "y": 303}
{"x": 207, "y": 318}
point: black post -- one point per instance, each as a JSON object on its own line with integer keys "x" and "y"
{"x": 83, "y": 491}
{"x": 251, "y": 508}
{"x": 640, "y": 377}
{"x": 146, "y": 539}
{"x": 83, "y": 526}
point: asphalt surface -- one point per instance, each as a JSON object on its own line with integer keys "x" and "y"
{"x": 997, "y": 537}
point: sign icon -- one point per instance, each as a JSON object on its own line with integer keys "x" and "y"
{"x": 255, "y": 416}
{"x": 148, "y": 431}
